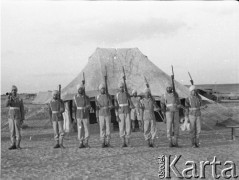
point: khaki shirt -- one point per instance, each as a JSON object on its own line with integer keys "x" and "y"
{"x": 103, "y": 105}
{"x": 81, "y": 106}
{"x": 16, "y": 110}
{"x": 148, "y": 106}
{"x": 169, "y": 102}
{"x": 56, "y": 108}
{"x": 192, "y": 104}
{"x": 121, "y": 103}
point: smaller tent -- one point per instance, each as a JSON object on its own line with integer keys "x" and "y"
{"x": 42, "y": 97}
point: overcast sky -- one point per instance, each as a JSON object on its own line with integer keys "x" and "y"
{"x": 46, "y": 43}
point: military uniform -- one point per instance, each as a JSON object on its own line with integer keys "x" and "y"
{"x": 148, "y": 106}
{"x": 170, "y": 103}
{"x": 123, "y": 112}
{"x": 135, "y": 112}
{"x": 56, "y": 108}
{"x": 81, "y": 108}
{"x": 192, "y": 104}
{"x": 104, "y": 104}
{"x": 15, "y": 119}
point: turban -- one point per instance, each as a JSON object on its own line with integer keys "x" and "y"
{"x": 121, "y": 84}
{"x": 14, "y": 87}
{"x": 147, "y": 90}
{"x": 79, "y": 86}
{"x": 55, "y": 92}
{"x": 134, "y": 91}
{"x": 102, "y": 85}
{"x": 192, "y": 88}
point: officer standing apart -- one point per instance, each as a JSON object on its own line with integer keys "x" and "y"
{"x": 170, "y": 105}
{"x": 56, "y": 108}
{"x": 148, "y": 106}
{"x": 15, "y": 117}
{"x": 192, "y": 104}
{"x": 122, "y": 112}
{"x": 135, "y": 112}
{"x": 81, "y": 107}
{"x": 103, "y": 115}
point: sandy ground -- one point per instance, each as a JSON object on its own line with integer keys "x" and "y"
{"x": 38, "y": 159}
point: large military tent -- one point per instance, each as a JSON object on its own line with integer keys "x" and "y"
{"x": 136, "y": 66}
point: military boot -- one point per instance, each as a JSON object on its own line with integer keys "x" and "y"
{"x": 176, "y": 142}
{"x": 128, "y": 142}
{"x": 108, "y": 143}
{"x": 170, "y": 143}
{"x": 86, "y": 144}
{"x": 193, "y": 142}
{"x": 57, "y": 145}
{"x": 133, "y": 126}
{"x": 151, "y": 143}
{"x": 18, "y": 144}
{"x": 103, "y": 144}
{"x": 81, "y": 145}
{"x": 13, "y": 146}
{"x": 123, "y": 142}
{"x": 197, "y": 143}
{"x": 61, "y": 144}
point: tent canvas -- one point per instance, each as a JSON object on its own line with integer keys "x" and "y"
{"x": 136, "y": 65}
{"x": 43, "y": 97}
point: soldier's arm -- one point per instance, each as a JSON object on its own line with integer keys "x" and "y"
{"x": 22, "y": 110}
{"x": 187, "y": 105}
{"x": 63, "y": 106}
{"x": 74, "y": 108}
{"x": 88, "y": 102}
{"x": 141, "y": 105}
{"x": 162, "y": 104}
{"x": 96, "y": 108}
{"x": 50, "y": 113}
{"x": 110, "y": 102}
{"x": 116, "y": 107}
{"x": 8, "y": 101}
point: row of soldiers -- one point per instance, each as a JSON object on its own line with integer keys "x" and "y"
{"x": 126, "y": 111}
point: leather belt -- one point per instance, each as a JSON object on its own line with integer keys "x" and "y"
{"x": 81, "y": 107}
{"x": 55, "y": 112}
{"x": 14, "y": 108}
{"x": 121, "y": 105}
{"x": 194, "y": 108}
{"x": 168, "y": 105}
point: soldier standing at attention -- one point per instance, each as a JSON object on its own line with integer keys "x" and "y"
{"x": 192, "y": 104}
{"x": 103, "y": 115}
{"x": 15, "y": 117}
{"x": 56, "y": 108}
{"x": 135, "y": 112}
{"x": 122, "y": 112}
{"x": 81, "y": 107}
{"x": 170, "y": 105}
{"x": 148, "y": 106}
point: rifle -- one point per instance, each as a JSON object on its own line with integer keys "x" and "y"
{"x": 106, "y": 84}
{"x": 126, "y": 90}
{"x": 147, "y": 85}
{"x": 172, "y": 77}
{"x": 59, "y": 91}
{"x": 191, "y": 80}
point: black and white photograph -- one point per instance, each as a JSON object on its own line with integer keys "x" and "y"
{"x": 119, "y": 89}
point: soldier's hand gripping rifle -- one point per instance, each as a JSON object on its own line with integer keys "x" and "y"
{"x": 174, "y": 90}
{"x": 147, "y": 85}
{"x": 126, "y": 90}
